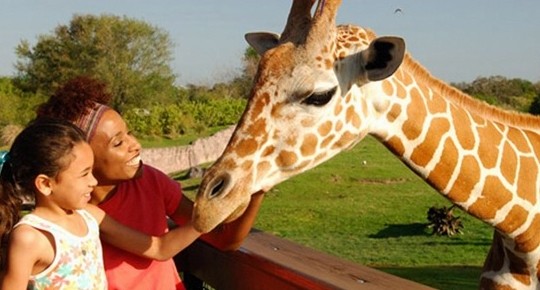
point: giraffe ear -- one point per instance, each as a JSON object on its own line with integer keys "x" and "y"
{"x": 262, "y": 41}
{"x": 383, "y": 57}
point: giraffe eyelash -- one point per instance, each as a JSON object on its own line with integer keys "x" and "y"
{"x": 320, "y": 99}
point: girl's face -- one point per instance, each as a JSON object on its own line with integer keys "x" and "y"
{"x": 72, "y": 187}
{"x": 117, "y": 152}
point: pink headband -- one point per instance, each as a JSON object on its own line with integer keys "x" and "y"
{"x": 89, "y": 121}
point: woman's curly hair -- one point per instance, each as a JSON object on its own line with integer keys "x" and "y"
{"x": 75, "y": 98}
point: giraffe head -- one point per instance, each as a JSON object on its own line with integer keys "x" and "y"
{"x": 307, "y": 104}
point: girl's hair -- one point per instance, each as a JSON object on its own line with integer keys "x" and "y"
{"x": 43, "y": 147}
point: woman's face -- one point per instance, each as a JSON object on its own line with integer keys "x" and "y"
{"x": 116, "y": 151}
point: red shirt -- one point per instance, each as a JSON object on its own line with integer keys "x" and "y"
{"x": 142, "y": 203}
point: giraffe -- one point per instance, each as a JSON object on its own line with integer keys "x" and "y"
{"x": 321, "y": 88}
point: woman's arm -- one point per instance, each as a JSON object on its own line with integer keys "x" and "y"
{"x": 136, "y": 242}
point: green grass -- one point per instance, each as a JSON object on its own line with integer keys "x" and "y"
{"x": 374, "y": 214}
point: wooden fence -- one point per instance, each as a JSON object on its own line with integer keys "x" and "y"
{"x": 267, "y": 262}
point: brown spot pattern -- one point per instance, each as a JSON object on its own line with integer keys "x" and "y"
{"x": 246, "y": 147}
{"x": 423, "y": 153}
{"x": 291, "y": 140}
{"x": 268, "y": 150}
{"x": 412, "y": 127}
{"x": 395, "y": 145}
{"x": 435, "y": 105}
{"x": 286, "y": 159}
{"x": 493, "y": 197}
{"x": 395, "y": 111}
{"x": 262, "y": 169}
{"x": 442, "y": 172}
{"x": 259, "y": 105}
{"x": 518, "y": 139}
{"x": 401, "y": 92}
{"x": 327, "y": 141}
{"x": 513, "y": 220}
{"x": 338, "y": 109}
{"x": 530, "y": 239}
{"x": 320, "y": 157}
{"x": 388, "y": 88}
{"x": 535, "y": 142}
{"x": 257, "y": 128}
{"x": 352, "y": 117}
{"x": 406, "y": 78}
{"x": 508, "y": 163}
{"x": 527, "y": 176}
{"x": 468, "y": 176}
{"x": 344, "y": 141}
{"x": 309, "y": 145}
{"x": 463, "y": 128}
{"x": 325, "y": 128}
{"x": 489, "y": 139}
{"x": 329, "y": 64}
{"x": 307, "y": 122}
{"x": 246, "y": 165}
{"x": 339, "y": 126}
{"x": 276, "y": 109}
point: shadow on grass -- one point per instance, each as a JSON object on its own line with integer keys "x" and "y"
{"x": 440, "y": 277}
{"x": 402, "y": 230}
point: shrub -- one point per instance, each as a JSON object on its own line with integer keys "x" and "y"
{"x": 187, "y": 116}
{"x": 443, "y": 222}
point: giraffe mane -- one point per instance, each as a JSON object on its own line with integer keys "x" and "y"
{"x": 518, "y": 119}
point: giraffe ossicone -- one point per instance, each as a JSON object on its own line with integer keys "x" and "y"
{"x": 321, "y": 88}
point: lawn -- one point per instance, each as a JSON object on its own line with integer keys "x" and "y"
{"x": 366, "y": 206}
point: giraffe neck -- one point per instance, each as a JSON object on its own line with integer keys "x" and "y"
{"x": 480, "y": 158}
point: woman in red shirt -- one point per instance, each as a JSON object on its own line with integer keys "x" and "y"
{"x": 131, "y": 192}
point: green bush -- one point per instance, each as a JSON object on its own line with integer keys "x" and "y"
{"x": 187, "y": 116}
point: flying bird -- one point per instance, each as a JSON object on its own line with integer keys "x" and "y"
{"x": 398, "y": 10}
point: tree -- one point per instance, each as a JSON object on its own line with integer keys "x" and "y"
{"x": 16, "y": 107}
{"x": 242, "y": 84}
{"x": 131, "y": 56}
{"x": 514, "y": 93}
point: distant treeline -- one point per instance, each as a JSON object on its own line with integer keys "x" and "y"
{"x": 133, "y": 58}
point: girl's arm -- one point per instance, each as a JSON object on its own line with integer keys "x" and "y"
{"x": 136, "y": 242}
{"x": 24, "y": 252}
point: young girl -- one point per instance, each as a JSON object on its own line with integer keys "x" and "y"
{"x": 57, "y": 245}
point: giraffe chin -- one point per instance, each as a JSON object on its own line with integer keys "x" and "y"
{"x": 204, "y": 223}
{"x": 236, "y": 213}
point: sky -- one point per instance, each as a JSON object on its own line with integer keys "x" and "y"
{"x": 457, "y": 41}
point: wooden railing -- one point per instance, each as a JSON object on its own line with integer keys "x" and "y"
{"x": 267, "y": 262}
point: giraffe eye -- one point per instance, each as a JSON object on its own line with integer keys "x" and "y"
{"x": 321, "y": 98}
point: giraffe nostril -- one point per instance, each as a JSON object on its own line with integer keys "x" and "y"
{"x": 218, "y": 187}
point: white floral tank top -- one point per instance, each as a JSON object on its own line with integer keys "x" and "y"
{"x": 78, "y": 262}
